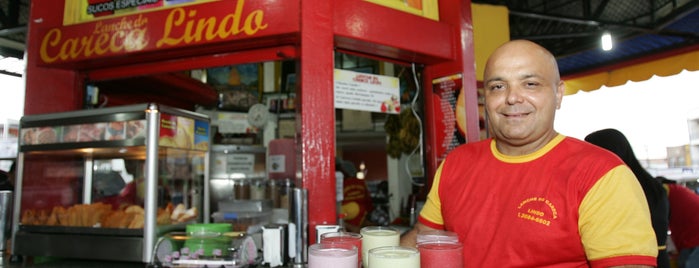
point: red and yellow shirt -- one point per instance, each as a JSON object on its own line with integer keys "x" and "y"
{"x": 570, "y": 204}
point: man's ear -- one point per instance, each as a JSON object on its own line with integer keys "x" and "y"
{"x": 560, "y": 91}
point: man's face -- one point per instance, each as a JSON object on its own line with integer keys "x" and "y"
{"x": 522, "y": 92}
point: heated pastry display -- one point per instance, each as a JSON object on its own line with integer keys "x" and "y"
{"x": 102, "y": 215}
{"x": 100, "y": 179}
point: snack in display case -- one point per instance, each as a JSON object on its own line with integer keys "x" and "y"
{"x": 40, "y": 135}
{"x": 135, "y": 129}
{"x": 95, "y": 177}
{"x": 112, "y": 131}
{"x": 101, "y": 215}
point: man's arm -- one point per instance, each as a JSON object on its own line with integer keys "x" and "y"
{"x": 409, "y": 239}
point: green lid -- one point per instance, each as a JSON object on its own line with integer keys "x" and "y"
{"x": 208, "y": 229}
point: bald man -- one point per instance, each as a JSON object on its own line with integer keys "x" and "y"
{"x": 529, "y": 196}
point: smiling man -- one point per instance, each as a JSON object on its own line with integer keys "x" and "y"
{"x": 529, "y": 196}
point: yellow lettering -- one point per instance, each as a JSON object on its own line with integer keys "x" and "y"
{"x": 235, "y": 30}
{"x": 175, "y": 18}
{"x": 208, "y": 26}
{"x": 85, "y": 43}
{"x": 188, "y": 37}
{"x": 101, "y": 44}
{"x": 256, "y": 17}
{"x": 68, "y": 49}
{"x": 114, "y": 45}
{"x": 226, "y": 27}
{"x": 98, "y": 26}
{"x": 51, "y": 39}
{"x": 181, "y": 28}
{"x": 535, "y": 212}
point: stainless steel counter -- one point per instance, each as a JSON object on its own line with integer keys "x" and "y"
{"x": 72, "y": 263}
{"x": 77, "y": 263}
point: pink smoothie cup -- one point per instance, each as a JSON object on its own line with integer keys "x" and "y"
{"x": 441, "y": 254}
{"x": 329, "y": 255}
{"x": 345, "y": 240}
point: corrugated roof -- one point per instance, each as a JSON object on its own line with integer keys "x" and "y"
{"x": 571, "y": 29}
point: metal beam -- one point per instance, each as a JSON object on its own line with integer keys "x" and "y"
{"x": 4, "y": 42}
{"x": 588, "y": 22}
{"x": 15, "y": 30}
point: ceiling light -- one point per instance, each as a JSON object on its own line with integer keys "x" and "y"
{"x": 607, "y": 41}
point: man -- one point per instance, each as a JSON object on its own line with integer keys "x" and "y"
{"x": 530, "y": 197}
{"x": 684, "y": 204}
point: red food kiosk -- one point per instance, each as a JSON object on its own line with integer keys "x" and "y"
{"x": 67, "y": 49}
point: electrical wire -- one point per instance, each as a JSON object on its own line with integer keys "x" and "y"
{"x": 419, "y": 147}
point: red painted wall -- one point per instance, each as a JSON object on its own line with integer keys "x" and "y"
{"x": 375, "y": 161}
{"x": 47, "y": 89}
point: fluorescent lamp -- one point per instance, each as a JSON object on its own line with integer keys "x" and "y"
{"x": 607, "y": 41}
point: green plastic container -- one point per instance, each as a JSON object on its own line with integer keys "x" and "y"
{"x": 208, "y": 238}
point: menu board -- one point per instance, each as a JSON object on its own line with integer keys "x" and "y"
{"x": 366, "y": 92}
{"x": 450, "y": 109}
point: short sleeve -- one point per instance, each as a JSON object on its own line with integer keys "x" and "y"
{"x": 431, "y": 213}
{"x": 615, "y": 219}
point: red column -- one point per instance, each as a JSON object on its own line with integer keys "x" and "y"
{"x": 48, "y": 90}
{"x": 458, "y": 14}
{"x": 316, "y": 127}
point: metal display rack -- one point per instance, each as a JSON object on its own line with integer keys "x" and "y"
{"x": 161, "y": 137}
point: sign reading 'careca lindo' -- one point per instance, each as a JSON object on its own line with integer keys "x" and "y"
{"x": 162, "y": 28}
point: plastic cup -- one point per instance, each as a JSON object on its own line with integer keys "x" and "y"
{"x": 330, "y": 255}
{"x": 441, "y": 254}
{"x": 344, "y": 239}
{"x": 377, "y": 236}
{"x": 437, "y": 235}
{"x": 392, "y": 257}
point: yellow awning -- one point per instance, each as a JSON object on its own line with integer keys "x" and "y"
{"x": 665, "y": 66}
{"x": 491, "y": 28}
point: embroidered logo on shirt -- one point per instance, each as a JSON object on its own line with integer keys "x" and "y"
{"x": 537, "y": 209}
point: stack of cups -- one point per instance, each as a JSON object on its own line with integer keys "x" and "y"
{"x": 439, "y": 249}
{"x": 346, "y": 240}
{"x": 375, "y": 237}
{"x": 395, "y": 256}
{"x": 332, "y": 255}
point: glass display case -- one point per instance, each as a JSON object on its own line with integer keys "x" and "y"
{"x": 109, "y": 182}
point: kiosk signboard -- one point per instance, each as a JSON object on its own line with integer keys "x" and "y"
{"x": 91, "y": 30}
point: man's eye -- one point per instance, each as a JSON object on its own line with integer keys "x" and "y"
{"x": 496, "y": 87}
{"x": 532, "y": 84}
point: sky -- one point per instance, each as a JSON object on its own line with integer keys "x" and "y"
{"x": 12, "y": 97}
{"x": 652, "y": 114}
